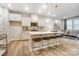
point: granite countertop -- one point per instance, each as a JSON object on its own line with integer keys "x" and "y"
{"x": 2, "y": 36}
{"x": 2, "y": 51}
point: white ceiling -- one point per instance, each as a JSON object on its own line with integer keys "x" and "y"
{"x": 63, "y": 9}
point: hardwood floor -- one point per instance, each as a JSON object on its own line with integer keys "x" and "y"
{"x": 69, "y": 48}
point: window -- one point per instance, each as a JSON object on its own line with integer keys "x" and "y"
{"x": 72, "y": 24}
{"x": 69, "y": 24}
{"x": 76, "y": 24}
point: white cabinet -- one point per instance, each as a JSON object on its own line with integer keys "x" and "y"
{"x": 16, "y": 32}
{"x": 26, "y": 21}
{"x": 15, "y": 17}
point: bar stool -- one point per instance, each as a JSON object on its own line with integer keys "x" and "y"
{"x": 53, "y": 41}
{"x": 45, "y": 41}
{"x": 36, "y": 44}
{"x": 59, "y": 39}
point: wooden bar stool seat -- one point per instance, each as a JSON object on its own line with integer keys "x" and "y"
{"x": 45, "y": 38}
{"x": 59, "y": 39}
{"x": 52, "y": 41}
{"x": 45, "y": 41}
{"x": 36, "y": 45}
{"x": 37, "y": 39}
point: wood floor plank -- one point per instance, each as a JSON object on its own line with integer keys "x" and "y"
{"x": 20, "y": 48}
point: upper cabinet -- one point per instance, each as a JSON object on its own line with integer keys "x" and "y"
{"x": 34, "y": 18}
{"x": 15, "y": 17}
{"x": 22, "y": 18}
{"x": 26, "y": 21}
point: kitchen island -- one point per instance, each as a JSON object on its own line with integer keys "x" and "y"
{"x": 40, "y": 34}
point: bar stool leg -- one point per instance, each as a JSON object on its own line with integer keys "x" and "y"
{"x": 50, "y": 44}
{"x": 54, "y": 42}
{"x": 58, "y": 41}
{"x": 61, "y": 45}
{"x": 37, "y": 52}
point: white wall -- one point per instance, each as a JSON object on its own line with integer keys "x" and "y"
{"x": 62, "y": 24}
{"x": 6, "y": 22}
{"x": 46, "y": 22}
{"x": 1, "y": 21}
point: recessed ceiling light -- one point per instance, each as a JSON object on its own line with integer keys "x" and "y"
{"x": 53, "y": 15}
{"x": 39, "y": 11}
{"x": 56, "y": 21}
{"x": 64, "y": 17}
{"x": 9, "y": 5}
{"x": 44, "y": 6}
{"x": 26, "y": 8}
{"x": 47, "y": 20}
{"x": 49, "y": 13}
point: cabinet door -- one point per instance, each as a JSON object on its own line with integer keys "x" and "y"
{"x": 16, "y": 32}
{"x": 26, "y": 21}
{"x": 11, "y": 16}
{"x": 14, "y": 17}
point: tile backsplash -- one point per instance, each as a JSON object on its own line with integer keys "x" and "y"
{"x": 33, "y": 28}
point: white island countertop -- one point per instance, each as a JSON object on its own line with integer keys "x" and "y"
{"x": 34, "y": 32}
